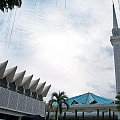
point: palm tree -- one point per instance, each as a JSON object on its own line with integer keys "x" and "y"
{"x": 118, "y": 101}
{"x": 57, "y": 101}
{"x": 9, "y": 4}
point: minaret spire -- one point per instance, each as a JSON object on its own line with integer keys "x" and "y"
{"x": 115, "y": 23}
{"x": 115, "y": 30}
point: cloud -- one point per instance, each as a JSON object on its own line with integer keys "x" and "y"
{"x": 68, "y": 48}
{"x": 113, "y": 88}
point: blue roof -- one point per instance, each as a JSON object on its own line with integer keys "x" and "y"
{"x": 89, "y": 98}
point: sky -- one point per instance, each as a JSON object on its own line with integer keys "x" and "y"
{"x": 68, "y": 47}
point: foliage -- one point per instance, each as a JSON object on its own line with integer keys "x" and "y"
{"x": 118, "y": 101}
{"x": 57, "y": 101}
{"x": 9, "y": 4}
{"x": 51, "y": 118}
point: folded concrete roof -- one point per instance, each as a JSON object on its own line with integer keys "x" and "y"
{"x": 33, "y": 85}
{"x": 39, "y": 88}
{"x": 45, "y": 91}
{"x": 2, "y": 68}
{"x": 9, "y": 74}
{"x": 18, "y": 78}
{"x": 26, "y": 81}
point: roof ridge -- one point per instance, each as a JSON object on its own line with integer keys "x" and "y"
{"x": 77, "y": 96}
{"x": 93, "y": 96}
{"x": 87, "y": 96}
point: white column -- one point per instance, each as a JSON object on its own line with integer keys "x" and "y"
{"x": 118, "y": 114}
{"x": 20, "y": 118}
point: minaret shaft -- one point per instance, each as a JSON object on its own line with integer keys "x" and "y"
{"x": 116, "y": 48}
{"x": 115, "y": 41}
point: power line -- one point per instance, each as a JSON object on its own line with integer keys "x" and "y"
{"x": 12, "y": 27}
{"x": 2, "y": 20}
{"x": 8, "y": 28}
{"x": 65, "y": 3}
{"x": 35, "y": 2}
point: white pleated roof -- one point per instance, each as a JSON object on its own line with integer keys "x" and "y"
{"x": 20, "y": 80}
{"x": 2, "y": 68}
{"x": 9, "y": 74}
{"x": 45, "y": 91}
{"x": 33, "y": 85}
{"x": 26, "y": 82}
{"x": 39, "y": 88}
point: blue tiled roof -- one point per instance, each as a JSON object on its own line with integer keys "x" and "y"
{"x": 89, "y": 98}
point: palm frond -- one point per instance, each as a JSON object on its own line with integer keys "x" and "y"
{"x": 59, "y": 99}
{"x": 61, "y": 93}
{"x": 65, "y": 103}
{"x": 51, "y": 102}
{"x": 55, "y": 95}
{"x": 63, "y": 97}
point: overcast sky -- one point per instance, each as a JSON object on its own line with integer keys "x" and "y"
{"x": 68, "y": 48}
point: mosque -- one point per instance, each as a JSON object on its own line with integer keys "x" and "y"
{"x": 22, "y": 96}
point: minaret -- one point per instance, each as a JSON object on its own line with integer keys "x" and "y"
{"x": 115, "y": 41}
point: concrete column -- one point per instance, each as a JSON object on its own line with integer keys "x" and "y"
{"x": 109, "y": 114}
{"x": 19, "y": 118}
{"x": 75, "y": 114}
{"x": 102, "y": 115}
{"x": 97, "y": 114}
{"x": 118, "y": 114}
{"x": 113, "y": 115}
{"x": 83, "y": 116}
{"x": 48, "y": 115}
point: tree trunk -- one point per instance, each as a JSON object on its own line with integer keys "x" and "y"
{"x": 56, "y": 115}
{"x": 64, "y": 117}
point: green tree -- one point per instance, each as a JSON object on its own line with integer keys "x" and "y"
{"x": 118, "y": 101}
{"x": 5, "y": 5}
{"x": 56, "y": 103}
